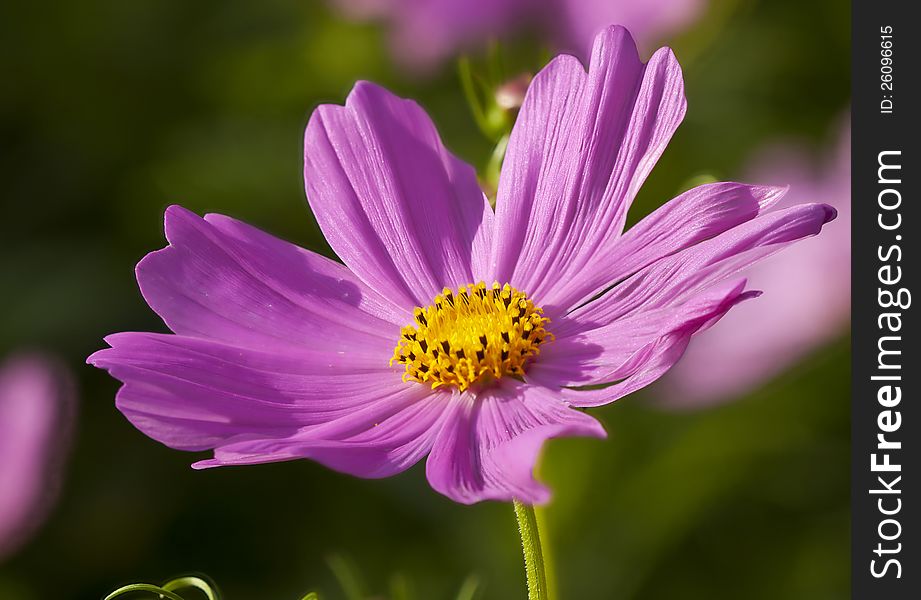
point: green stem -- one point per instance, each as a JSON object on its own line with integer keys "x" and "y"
{"x": 468, "y": 84}
{"x": 533, "y": 555}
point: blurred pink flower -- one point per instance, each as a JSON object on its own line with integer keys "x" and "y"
{"x": 423, "y": 32}
{"x": 807, "y": 299}
{"x": 36, "y": 409}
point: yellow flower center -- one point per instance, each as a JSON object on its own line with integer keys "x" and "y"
{"x": 474, "y": 335}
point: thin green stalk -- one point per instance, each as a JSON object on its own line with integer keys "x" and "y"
{"x": 345, "y": 572}
{"x": 533, "y": 554}
{"x": 468, "y": 84}
{"x": 468, "y": 590}
{"x": 493, "y": 169}
{"x": 549, "y": 562}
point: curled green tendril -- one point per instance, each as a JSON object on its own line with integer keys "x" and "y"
{"x": 168, "y": 590}
{"x": 142, "y": 587}
{"x": 194, "y": 583}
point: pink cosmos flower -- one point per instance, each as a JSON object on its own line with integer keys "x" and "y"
{"x": 409, "y": 349}
{"x": 35, "y": 412}
{"x": 426, "y": 31}
{"x": 809, "y": 291}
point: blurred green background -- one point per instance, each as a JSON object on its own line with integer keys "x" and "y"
{"x": 113, "y": 109}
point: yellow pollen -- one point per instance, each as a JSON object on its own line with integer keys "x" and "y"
{"x": 474, "y": 334}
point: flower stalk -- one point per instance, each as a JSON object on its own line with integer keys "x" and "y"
{"x": 533, "y": 553}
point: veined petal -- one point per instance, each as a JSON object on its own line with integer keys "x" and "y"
{"x": 654, "y": 361}
{"x": 676, "y": 277}
{"x": 808, "y": 300}
{"x": 581, "y": 148}
{"x": 330, "y": 283}
{"x": 224, "y": 280}
{"x": 378, "y": 439}
{"x": 693, "y": 216}
{"x": 638, "y": 330}
{"x": 195, "y": 394}
{"x": 403, "y": 213}
{"x": 627, "y": 347}
{"x": 487, "y": 449}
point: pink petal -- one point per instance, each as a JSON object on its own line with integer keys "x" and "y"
{"x": 582, "y": 146}
{"x": 489, "y": 446}
{"x": 632, "y": 347}
{"x": 378, "y": 439}
{"x": 676, "y": 277}
{"x": 224, "y": 280}
{"x": 807, "y": 298}
{"x": 402, "y": 212}
{"x": 696, "y": 215}
{"x": 194, "y": 394}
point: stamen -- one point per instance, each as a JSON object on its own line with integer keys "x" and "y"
{"x": 471, "y": 335}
